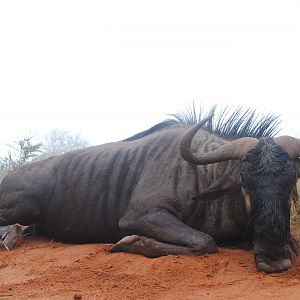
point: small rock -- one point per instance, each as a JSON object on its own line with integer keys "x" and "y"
{"x": 77, "y": 297}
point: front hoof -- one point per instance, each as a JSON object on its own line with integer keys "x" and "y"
{"x": 208, "y": 246}
{"x": 268, "y": 266}
{"x": 124, "y": 242}
{"x": 212, "y": 247}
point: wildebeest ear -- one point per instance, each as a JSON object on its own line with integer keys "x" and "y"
{"x": 210, "y": 195}
{"x": 228, "y": 179}
{"x": 222, "y": 185}
{"x": 213, "y": 194}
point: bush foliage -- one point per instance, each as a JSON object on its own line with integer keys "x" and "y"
{"x": 26, "y": 150}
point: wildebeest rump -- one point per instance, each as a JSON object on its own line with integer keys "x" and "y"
{"x": 173, "y": 189}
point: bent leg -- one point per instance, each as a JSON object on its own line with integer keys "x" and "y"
{"x": 15, "y": 209}
{"x": 165, "y": 234}
{"x": 148, "y": 247}
{"x": 11, "y": 236}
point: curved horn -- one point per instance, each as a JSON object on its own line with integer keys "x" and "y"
{"x": 233, "y": 150}
{"x": 290, "y": 144}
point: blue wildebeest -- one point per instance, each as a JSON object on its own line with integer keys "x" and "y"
{"x": 172, "y": 189}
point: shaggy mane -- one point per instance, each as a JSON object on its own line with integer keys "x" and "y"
{"x": 227, "y": 122}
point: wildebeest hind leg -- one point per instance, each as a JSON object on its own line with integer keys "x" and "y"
{"x": 16, "y": 208}
{"x": 11, "y": 236}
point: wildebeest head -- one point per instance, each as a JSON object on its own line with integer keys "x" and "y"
{"x": 268, "y": 174}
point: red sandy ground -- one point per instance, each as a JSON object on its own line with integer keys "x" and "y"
{"x": 41, "y": 269}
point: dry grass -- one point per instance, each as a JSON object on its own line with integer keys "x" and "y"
{"x": 295, "y": 214}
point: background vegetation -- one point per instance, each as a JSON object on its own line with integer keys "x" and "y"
{"x": 29, "y": 148}
{"x": 295, "y": 215}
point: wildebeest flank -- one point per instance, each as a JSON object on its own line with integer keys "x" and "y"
{"x": 174, "y": 189}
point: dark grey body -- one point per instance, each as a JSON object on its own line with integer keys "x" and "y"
{"x": 82, "y": 195}
{"x": 174, "y": 189}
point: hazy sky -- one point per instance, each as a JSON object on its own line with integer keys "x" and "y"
{"x": 109, "y": 69}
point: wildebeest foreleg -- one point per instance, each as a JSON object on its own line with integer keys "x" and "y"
{"x": 163, "y": 234}
{"x": 148, "y": 247}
